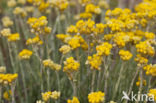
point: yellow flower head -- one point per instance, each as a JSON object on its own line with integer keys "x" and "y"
{"x": 96, "y": 97}
{"x": 85, "y": 27}
{"x": 74, "y": 100}
{"x": 49, "y": 63}
{"x": 141, "y": 60}
{"x": 104, "y": 49}
{"x": 145, "y": 48}
{"x": 60, "y": 4}
{"x": 2, "y": 69}
{"x": 70, "y": 65}
{"x": 36, "y": 40}
{"x": 7, "y": 78}
{"x": 152, "y": 93}
{"x": 46, "y": 96}
{"x": 20, "y": 11}
{"x": 5, "y": 32}
{"x": 14, "y": 37}
{"x": 72, "y": 29}
{"x": 39, "y": 25}
{"x": 85, "y": 15}
{"x": 91, "y": 8}
{"x": 55, "y": 95}
{"x": 11, "y": 3}
{"x": 125, "y": 55}
{"x": 6, "y": 21}
{"x": 25, "y": 54}
{"x": 64, "y": 37}
{"x": 65, "y": 49}
{"x": 94, "y": 61}
{"x": 151, "y": 69}
{"x": 74, "y": 42}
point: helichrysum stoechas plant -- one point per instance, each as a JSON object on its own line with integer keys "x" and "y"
{"x": 83, "y": 49}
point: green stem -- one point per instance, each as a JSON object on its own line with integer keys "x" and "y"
{"x": 13, "y": 92}
{"x": 141, "y": 84}
{"x": 48, "y": 79}
{"x": 0, "y": 93}
{"x": 24, "y": 82}
{"x": 93, "y": 81}
{"x": 58, "y": 82}
{"x": 118, "y": 81}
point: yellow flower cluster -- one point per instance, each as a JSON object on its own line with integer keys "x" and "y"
{"x": 152, "y": 93}
{"x": 49, "y": 63}
{"x": 77, "y": 41}
{"x": 6, "y": 32}
{"x": 47, "y": 95}
{"x": 63, "y": 37}
{"x": 60, "y": 4}
{"x": 150, "y": 69}
{"x": 149, "y": 35}
{"x": 85, "y": 27}
{"x": 70, "y": 65}
{"x": 43, "y": 6}
{"x": 96, "y": 97}
{"x": 11, "y": 3}
{"x": 72, "y": 29}
{"x": 103, "y": 4}
{"x": 20, "y": 12}
{"x": 125, "y": 55}
{"x": 74, "y": 100}
{"x": 65, "y": 49}
{"x": 25, "y": 54}
{"x": 91, "y": 8}
{"x": 13, "y": 37}
{"x": 141, "y": 60}
{"x": 34, "y": 41}
{"x": 39, "y": 25}
{"x": 29, "y": 9}
{"x": 8, "y": 78}
{"x": 104, "y": 49}
{"x": 145, "y": 48}
{"x": 95, "y": 61}
{"x": 55, "y": 95}
{"x": 85, "y": 15}
{"x": 2, "y": 69}
{"x": 120, "y": 40}
{"x": 115, "y": 25}
{"x": 100, "y": 28}
{"x": 6, "y": 21}
{"x": 74, "y": 42}
{"x": 108, "y": 37}
{"x": 147, "y": 9}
